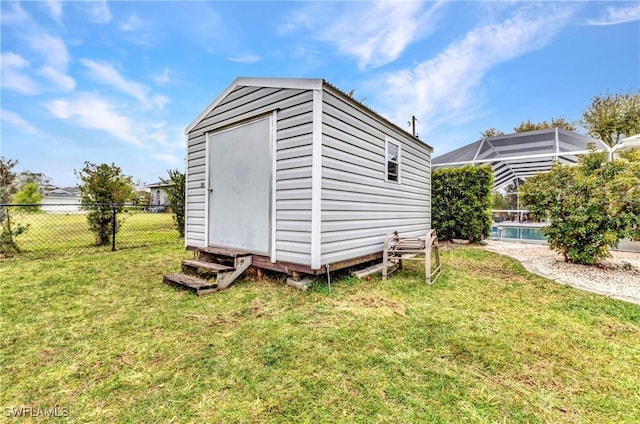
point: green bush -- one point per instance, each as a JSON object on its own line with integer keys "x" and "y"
{"x": 28, "y": 194}
{"x": 461, "y": 202}
{"x": 590, "y": 206}
{"x": 175, "y": 187}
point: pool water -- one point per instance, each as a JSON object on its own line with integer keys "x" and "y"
{"x": 518, "y": 233}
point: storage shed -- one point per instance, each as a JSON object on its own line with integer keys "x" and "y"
{"x": 301, "y": 175}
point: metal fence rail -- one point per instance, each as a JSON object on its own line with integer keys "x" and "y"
{"x": 52, "y": 229}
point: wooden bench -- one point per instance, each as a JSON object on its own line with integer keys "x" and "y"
{"x": 398, "y": 249}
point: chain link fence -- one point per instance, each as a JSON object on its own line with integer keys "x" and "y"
{"x": 59, "y": 229}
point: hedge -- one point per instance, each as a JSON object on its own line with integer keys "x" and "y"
{"x": 461, "y": 202}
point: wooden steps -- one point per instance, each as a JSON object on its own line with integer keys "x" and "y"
{"x": 214, "y": 269}
{"x": 195, "y": 284}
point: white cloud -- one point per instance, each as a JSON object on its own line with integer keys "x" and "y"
{"x": 374, "y": 33}
{"x": 107, "y": 74}
{"x": 159, "y": 101}
{"x": 92, "y": 112}
{"x": 132, "y": 23}
{"x": 138, "y": 31}
{"x": 99, "y": 11}
{"x": 160, "y": 134}
{"x": 169, "y": 158}
{"x": 14, "y": 76}
{"x": 14, "y": 60}
{"x": 380, "y": 33}
{"x": 298, "y": 19}
{"x": 245, "y": 58}
{"x": 444, "y": 89}
{"x": 19, "y": 122}
{"x": 48, "y": 54}
{"x": 52, "y": 49}
{"x": 13, "y": 16}
{"x": 163, "y": 79}
{"x": 62, "y": 81}
{"x": 55, "y": 7}
{"x": 614, "y": 15}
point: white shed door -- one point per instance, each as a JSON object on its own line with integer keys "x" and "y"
{"x": 240, "y": 188}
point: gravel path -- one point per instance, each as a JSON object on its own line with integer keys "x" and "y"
{"x": 617, "y": 277}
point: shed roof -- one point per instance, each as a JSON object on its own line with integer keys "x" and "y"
{"x": 64, "y": 192}
{"x": 294, "y": 83}
{"x": 159, "y": 184}
{"x": 521, "y": 155}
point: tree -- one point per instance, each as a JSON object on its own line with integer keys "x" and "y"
{"x": 591, "y": 206}
{"x": 499, "y": 201}
{"x": 103, "y": 191}
{"x": 613, "y": 117}
{"x": 563, "y": 124}
{"x": 7, "y": 179}
{"x": 175, "y": 187}
{"x": 491, "y": 132}
{"x": 27, "y": 177}
{"x": 8, "y": 231}
{"x": 29, "y": 194}
{"x": 555, "y": 123}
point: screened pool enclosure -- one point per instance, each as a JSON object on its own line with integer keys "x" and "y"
{"x": 514, "y": 158}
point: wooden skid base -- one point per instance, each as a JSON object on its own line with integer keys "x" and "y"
{"x": 196, "y": 285}
{"x": 363, "y": 273}
{"x": 264, "y": 262}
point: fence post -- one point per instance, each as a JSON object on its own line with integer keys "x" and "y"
{"x": 113, "y": 228}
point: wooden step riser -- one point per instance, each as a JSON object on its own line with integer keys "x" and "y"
{"x": 200, "y": 273}
{"x": 195, "y": 285}
{"x": 208, "y": 266}
{"x": 216, "y": 259}
{"x": 221, "y": 255}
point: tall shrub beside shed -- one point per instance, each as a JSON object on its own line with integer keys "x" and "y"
{"x": 462, "y": 202}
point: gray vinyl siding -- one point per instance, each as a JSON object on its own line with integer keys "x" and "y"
{"x": 358, "y": 206}
{"x": 293, "y": 181}
{"x": 293, "y": 167}
{"x": 195, "y": 211}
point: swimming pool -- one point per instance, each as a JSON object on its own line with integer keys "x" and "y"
{"x": 520, "y": 232}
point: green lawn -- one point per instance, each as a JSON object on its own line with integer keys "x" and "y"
{"x": 51, "y": 234}
{"x": 102, "y": 336}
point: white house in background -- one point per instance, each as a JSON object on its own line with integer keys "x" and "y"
{"x": 159, "y": 196}
{"x": 302, "y": 176}
{"x": 62, "y": 200}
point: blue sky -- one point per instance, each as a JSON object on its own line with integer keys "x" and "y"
{"x": 119, "y": 81}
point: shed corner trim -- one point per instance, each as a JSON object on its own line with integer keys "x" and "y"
{"x": 316, "y": 181}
